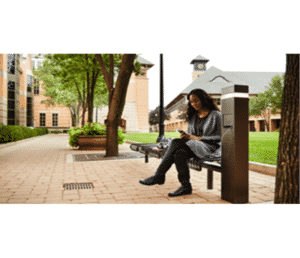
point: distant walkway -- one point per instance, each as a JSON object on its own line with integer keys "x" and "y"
{"x": 34, "y": 171}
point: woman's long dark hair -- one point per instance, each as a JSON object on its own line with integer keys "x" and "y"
{"x": 206, "y": 102}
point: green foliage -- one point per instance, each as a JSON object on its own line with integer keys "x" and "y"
{"x": 183, "y": 111}
{"x": 65, "y": 80}
{"x": 91, "y": 129}
{"x": 258, "y": 104}
{"x": 270, "y": 98}
{"x": 275, "y": 93}
{"x": 155, "y": 115}
{"x": 56, "y": 131}
{"x": 12, "y": 133}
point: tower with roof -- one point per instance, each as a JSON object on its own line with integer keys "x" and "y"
{"x": 199, "y": 66}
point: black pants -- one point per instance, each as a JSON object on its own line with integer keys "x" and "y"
{"x": 178, "y": 153}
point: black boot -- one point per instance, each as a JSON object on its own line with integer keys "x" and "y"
{"x": 185, "y": 189}
{"x": 153, "y": 180}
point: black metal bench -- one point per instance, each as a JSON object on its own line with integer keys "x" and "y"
{"x": 194, "y": 163}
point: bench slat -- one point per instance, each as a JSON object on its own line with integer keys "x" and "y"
{"x": 146, "y": 148}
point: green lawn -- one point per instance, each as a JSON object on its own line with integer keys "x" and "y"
{"x": 263, "y": 146}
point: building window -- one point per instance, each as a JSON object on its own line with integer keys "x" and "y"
{"x": 261, "y": 126}
{"x": 29, "y": 112}
{"x": 39, "y": 63}
{"x": 11, "y": 96}
{"x": 29, "y": 83}
{"x": 54, "y": 119}
{"x": 42, "y": 119}
{"x": 36, "y": 86}
{"x": 11, "y": 63}
{"x": 32, "y": 64}
{"x": 252, "y": 127}
{"x": 36, "y": 90}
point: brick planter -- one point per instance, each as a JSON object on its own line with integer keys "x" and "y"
{"x": 92, "y": 142}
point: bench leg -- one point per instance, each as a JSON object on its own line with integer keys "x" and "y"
{"x": 209, "y": 179}
{"x": 146, "y": 158}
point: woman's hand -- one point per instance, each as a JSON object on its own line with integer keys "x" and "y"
{"x": 189, "y": 137}
{"x": 184, "y": 135}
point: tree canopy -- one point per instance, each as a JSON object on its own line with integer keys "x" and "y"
{"x": 72, "y": 80}
{"x": 271, "y": 98}
{"x": 154, "y": 116}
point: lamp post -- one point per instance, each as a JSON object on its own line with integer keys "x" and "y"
{"x": 161, "y": 114}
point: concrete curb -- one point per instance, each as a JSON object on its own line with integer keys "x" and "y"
{"x": 265, "y": 169}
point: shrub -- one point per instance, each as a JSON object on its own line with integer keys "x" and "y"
{"x": 12, "y": 133}
{"x": 91, "y": 129}
{"x": 277, "y": 131}
{"x": 56, "y": 131}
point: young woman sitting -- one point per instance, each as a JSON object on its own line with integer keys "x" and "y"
{"x": 202, "y": 139}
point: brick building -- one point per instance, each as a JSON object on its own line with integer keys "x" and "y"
{"x": 212, "y": 81}
{"x": 20, "y": 100}
{"x": 16, "y": 95}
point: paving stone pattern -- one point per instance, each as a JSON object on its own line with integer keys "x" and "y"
{"x": 34, "y": 172}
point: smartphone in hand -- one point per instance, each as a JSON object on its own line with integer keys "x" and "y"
{"x": 180, "y": 131}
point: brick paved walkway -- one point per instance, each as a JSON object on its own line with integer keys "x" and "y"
{"x": 34, "y": 171}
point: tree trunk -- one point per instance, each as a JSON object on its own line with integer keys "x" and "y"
{"x": 112, "y": 146}
{"x": 268, "y": 127}
{"x": 74, "y": 110}
{"x": 84, "y": 105}
{"x": 83, "y": 114}
{"x": 82, "y": 117}
{"x": 91, "y": 100}
{"x": 95, "y": 74}
{"x": 78, "y": 114}
{"x": 287, "y": 174}
{"x": 73, "y": 115}
{"x": 117, "y": 98}
{"x": 268, "y": 121}
{"x": 88, "y": 90}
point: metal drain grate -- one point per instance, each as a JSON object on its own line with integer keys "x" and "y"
{"x": 101, "y": 156}
{"x": 76, "y": 186}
